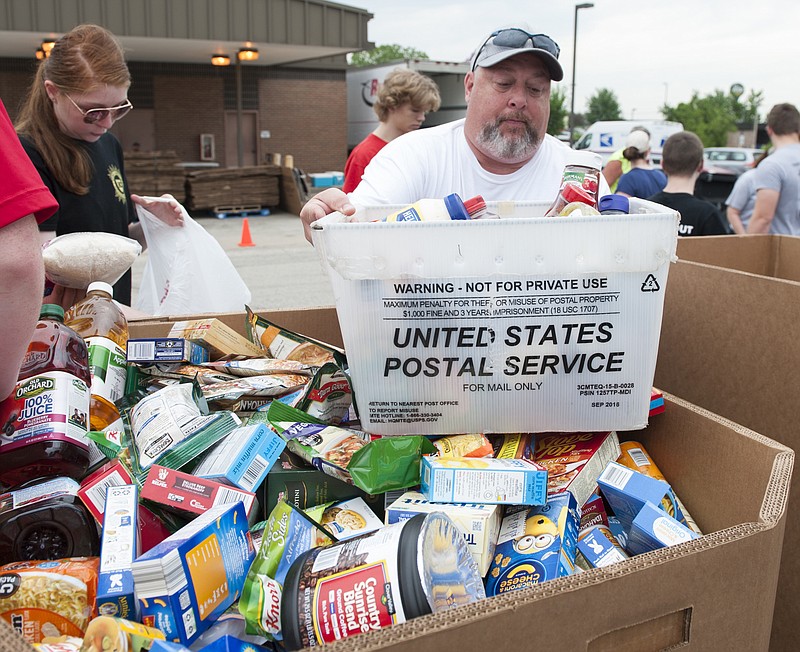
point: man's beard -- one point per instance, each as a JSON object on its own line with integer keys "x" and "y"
{"x": 509, "y": 148}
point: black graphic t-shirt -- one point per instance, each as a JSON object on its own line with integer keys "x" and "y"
{"x": 107, "y": 207}
{"x": 698, "y": 216}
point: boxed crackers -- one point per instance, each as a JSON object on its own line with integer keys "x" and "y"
{"x": 220, "y": 340}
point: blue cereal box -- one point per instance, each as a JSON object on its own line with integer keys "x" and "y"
{"x": 243, "y": 458}
{"x": 535, "y": 545}
{"x": 483, "y": 480}
{"x": 166, "y": 349}
{"x": 188, "y": 580}
{"x": 627, "y": 491}
{"x": 119, "y": 547}
{"x": 653, "y": 529}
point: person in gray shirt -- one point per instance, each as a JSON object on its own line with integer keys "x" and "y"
{"x": 777, "y": 179}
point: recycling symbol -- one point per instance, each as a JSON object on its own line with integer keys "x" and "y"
{"x": 650, "y": 284}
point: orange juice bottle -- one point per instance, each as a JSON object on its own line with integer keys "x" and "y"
{"x": 43, "y": 423}
{"x": 103, "y": 325}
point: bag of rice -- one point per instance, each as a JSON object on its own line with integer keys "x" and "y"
{"x": 76, "y": 259}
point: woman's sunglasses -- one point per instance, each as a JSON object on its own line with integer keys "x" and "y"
{"x": 92, "y": 116}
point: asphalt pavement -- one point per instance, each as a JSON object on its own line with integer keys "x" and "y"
{"x": 282, "y": 269}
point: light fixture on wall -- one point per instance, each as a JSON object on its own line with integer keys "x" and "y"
{"x": 220, "y": 60}
{"x": 248, "y": 54}
{"x": 47, "y": 45}
{"x": 40, "y": 54}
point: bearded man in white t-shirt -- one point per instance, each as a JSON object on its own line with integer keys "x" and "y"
{"x": 500, "y": 150}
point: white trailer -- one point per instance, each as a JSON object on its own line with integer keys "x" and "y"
{"x": 362, "y": 89}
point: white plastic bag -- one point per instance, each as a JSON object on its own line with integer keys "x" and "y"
{"x": 187, "y": 271}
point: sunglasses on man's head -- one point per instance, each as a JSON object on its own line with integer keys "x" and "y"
{"x": 514, "y": 37}
{"x": 92, "y": 116}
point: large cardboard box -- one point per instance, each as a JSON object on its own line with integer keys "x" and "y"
{"x": 500, "y": 325}
{"x": 777, "y": 256}
{"x": 715, "y": 593}
{"x": 729, "y": 342}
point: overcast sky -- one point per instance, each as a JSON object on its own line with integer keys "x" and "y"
{"x": 646, "y": 51}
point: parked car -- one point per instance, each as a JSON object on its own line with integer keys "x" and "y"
{"x": 735, "y": 159}
{"x": 715, "y": 184}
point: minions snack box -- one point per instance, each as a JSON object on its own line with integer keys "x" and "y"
{"x": 535, "y": 545}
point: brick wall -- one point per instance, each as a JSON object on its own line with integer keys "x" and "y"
{"x": 307, "y": 119}
{"x": 186, "y": 107}
{"x": 13, "y": 89}
{"x": 305, "y": 110}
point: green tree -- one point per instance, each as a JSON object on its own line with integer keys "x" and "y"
{"x": 384, "y": 54}
{"x": 603, "y": 105}
{"x": 714, "y": 116}
{"x": 558, "y": 112}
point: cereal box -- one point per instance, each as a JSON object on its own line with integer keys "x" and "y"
{"x": 479, "y": 523}
{"x": 93, "y": 487}
{"x": 535, "y": 545}
{"x": 575, "y": 460}
{"x": 485, "y": 480}
{"x": 193, "y": 576}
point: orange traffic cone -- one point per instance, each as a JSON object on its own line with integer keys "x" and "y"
{"x": 246, "y": 240}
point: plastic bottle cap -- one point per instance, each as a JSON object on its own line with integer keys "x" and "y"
{"x": 585, "y": 157}
{"x": 574, "y": 192}
{"x": 474, "y": 204}
{"x": 100, "y": 285}
{"x": 456, "y": 207}
{"x": 614, "y": 203}
{"x": 51, "y": 311}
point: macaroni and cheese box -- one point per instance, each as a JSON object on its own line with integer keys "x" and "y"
{"x": 627, "y": 491}
{"x": 188, "y": 493}
{"x": 166, "y": 349}
{"x": 575, "y": 460}
{"x": 119, "y": 547}
{"x": 243, "y": 458}
{"x": 653, "y": 528}
{"x": 535, "y": 545}
{"x": 187, "y": 581}
{"x": 485, "y": 480}
{"x": 479, "y": 523}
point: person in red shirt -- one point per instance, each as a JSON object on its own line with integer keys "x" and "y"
{"x": 403, "y": 100}
{"x": 24, "y": 202}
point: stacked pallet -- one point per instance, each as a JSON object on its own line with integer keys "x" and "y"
{"x": 242, "y": 188}
{"x": 155, "y": 173}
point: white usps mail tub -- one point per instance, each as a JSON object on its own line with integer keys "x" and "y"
{"x": 518, "y": 324}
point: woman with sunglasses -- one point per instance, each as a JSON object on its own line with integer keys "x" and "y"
{"x": 78, "y": 93}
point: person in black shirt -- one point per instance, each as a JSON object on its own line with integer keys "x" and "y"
{"x": 78, "y": 93}
{"x": 682, "y": 161}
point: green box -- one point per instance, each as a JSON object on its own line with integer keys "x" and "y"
{"x": 304, "y": 486}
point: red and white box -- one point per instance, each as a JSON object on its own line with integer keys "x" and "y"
{"x": 184, "y": 492}
{"x": 93, "y": 487}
